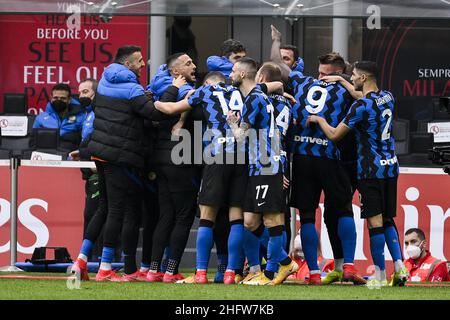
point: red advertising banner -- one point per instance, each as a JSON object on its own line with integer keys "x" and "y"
{"x": 40, "y": 51}
{"x": 50, "y": 210}
{"x": 51, "y": 213}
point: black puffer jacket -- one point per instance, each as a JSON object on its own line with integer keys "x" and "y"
{"x": 120, "y": 108}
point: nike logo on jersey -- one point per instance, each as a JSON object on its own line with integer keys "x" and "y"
{"x": 260, "y": 204}
{"x": 323, "y": 142}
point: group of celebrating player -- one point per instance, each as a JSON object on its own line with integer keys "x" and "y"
{"x": 271, "y": 138}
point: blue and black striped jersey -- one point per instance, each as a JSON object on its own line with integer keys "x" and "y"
{"x": 215, "y": 102}
{"x": 265, "y": 147}
{"x": 328, "y": 100}
{"x": 371, "y": 119}
{"x": 283, "y": 120}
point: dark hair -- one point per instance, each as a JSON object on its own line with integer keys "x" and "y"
{"x": 123, "y": 53}
{"x": 62, "y": 87}
{"x": 250, "y": 65}
{"x": 271, "y": 71}
{"x": 215, "y": 75}
{"x": 348, "y": 68}
{"x": 368, "y": 67}
{"x": 231, "y": 46}
{"x": 334, "y": 59}
{"x": 93, "y": 81}
{"x": 294, "y": 49}
{"x": 418, "y": 231}
{"x": 172, "y": 58}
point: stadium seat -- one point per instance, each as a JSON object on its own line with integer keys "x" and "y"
{"x": 15, "y": 145}
{"x": 422, "y": 125}
{"x": 420, "y": 143}
{"x": 47, "y": 141}
{"x": 441, "y": 109}
{"x": 400, "y": 132}
{"x": 15, "y": 104}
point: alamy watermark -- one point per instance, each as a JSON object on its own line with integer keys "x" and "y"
{"x": 261, "y": 147}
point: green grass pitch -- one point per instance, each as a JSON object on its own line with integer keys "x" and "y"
{"x": 58, "y": 289}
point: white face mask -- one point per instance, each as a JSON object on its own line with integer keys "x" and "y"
{"x": 414, "y": 251}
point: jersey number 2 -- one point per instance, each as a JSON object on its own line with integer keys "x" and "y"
{"x": 386, "y": 134}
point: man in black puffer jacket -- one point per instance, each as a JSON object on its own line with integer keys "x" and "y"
{"x": 117, "y": 147}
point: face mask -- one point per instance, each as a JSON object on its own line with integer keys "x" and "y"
{"x": 59, "y": 106}
{"x": 85, "y": 101}
{"x": 414, "y": 251}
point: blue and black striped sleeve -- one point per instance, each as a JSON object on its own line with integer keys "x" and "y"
{"x": 355, "y": 114}
{"x": 197, "y": 97}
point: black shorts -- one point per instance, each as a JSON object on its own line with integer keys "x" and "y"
{"x": 223, "y": 185}
{"x": 311, "y": 175}
{"x": 378, "y": 196}
{"x": 265, "y": 194}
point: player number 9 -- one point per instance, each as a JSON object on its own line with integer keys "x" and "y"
{"x": 315, "y": 106}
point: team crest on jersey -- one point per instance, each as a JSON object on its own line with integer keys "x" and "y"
{"x": 72, "y": 119}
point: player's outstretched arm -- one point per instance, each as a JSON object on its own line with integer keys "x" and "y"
{"x": 347, "y": 85}
{"x": 334, "y": 134}
{"x": 173, "y": 107}
{"x": 275, "y": 54}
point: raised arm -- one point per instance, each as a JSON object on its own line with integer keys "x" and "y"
{"x": 275, "y": 54}
{"x": 347, "y": 85}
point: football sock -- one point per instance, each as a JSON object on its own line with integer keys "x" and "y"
{"x": 144, "y": 267}
{"x": 235, "y": 244}
{"x": 391, "y": 236}
{"x": 338, "y": 265}
{"x": 275, "y": 248}
{"x": 85, "y": 250}
{"x": 347, "y": 234}
{"x": 222, "y": 262}
{"x": 377, "y": 242}
{"x": 251, "y": 248}
{"x": 172, "y": 267}
{"x": 204, "y": 243}
{"x": 310, "y": 242}
{"x": 107, "y": 258}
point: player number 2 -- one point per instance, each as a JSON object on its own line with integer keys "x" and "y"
{"x": 314, "y": 106}
{"x": 265, "y": 187}
{"x": 386, "y": 133}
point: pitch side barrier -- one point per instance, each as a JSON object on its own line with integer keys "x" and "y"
{"x": 15, "y": 163}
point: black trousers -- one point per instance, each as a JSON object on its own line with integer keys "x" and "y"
{"x": 91, "y": 204}
{"x": 150, "y": 216}
{"x": 121, "y": 196}
{"x": 177, "y": 192}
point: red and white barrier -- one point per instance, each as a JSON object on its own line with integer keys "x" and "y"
{"x": 51, "y": 204}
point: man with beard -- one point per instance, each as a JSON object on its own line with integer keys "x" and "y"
{"x": 117, "y": 147}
